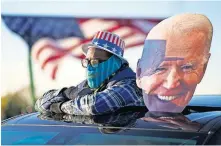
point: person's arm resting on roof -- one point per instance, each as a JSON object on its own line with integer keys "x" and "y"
{"x": 52, "y": 100}
{"x": 55, "y": 98}
{"x": 123, "y": 93}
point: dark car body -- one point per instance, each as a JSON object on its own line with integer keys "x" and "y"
{"x": 200, "y": 123}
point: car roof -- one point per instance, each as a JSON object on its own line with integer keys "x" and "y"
{"x": 206, "y": 101}
{"x": 142, "y": 120}
{"x": 194, "y": 123}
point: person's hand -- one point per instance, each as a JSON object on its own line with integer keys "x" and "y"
{"x": 56, "y": 107}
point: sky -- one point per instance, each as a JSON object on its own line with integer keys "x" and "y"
{"x": 14, "y": 52}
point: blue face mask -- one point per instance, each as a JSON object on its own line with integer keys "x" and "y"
{"x": 97, "y": 75}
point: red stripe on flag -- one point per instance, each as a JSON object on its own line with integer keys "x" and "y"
{"x": 51, "y": 58}
{"x": 54, "y": 72}
{"x": 128, "y": 35}
{"x": 81, "y": 21}
{"x": 113, "y": 28}
{"x": 81, "y": 56}
{"x": 60, "y": 50}
{"x": 44, "y": 47}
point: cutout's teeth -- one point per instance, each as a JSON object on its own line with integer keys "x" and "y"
{"x": 167, "y": 98}
{"x": 167, "y": 118}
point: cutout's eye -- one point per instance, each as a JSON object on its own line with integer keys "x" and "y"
{"x": 187, "y": 67}
{"x": 160, "y": 69}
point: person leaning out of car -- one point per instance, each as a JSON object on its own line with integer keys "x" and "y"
{"x": 110, "y": 83}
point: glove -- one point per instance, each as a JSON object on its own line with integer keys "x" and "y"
{"x": 56, "y": 107}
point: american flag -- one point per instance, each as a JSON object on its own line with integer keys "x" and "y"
{"x": 54, "y": 38}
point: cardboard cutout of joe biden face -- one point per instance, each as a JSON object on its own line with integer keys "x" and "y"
{"x": 173, "y": 62}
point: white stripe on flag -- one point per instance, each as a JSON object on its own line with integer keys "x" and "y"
{"x": 77, "y": 51}
{"x": 69, "y": 42}
{"x": 40, "y": 44}
{"x": 136, "y": 38}
{"x": 45, "y": 54}
{"x": 90, "y": 27}
{"x": 122, "y": 31}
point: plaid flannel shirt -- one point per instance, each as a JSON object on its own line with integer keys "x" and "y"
{"x": 121, "y": 94}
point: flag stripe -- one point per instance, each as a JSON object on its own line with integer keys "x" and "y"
{"x": 50, "y": 59}
{"x": 54, "y": 71}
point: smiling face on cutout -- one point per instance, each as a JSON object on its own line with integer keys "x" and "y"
{"x": 170, "y": 69}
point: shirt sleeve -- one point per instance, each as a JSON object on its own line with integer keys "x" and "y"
{"x": 123, "y": 93}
